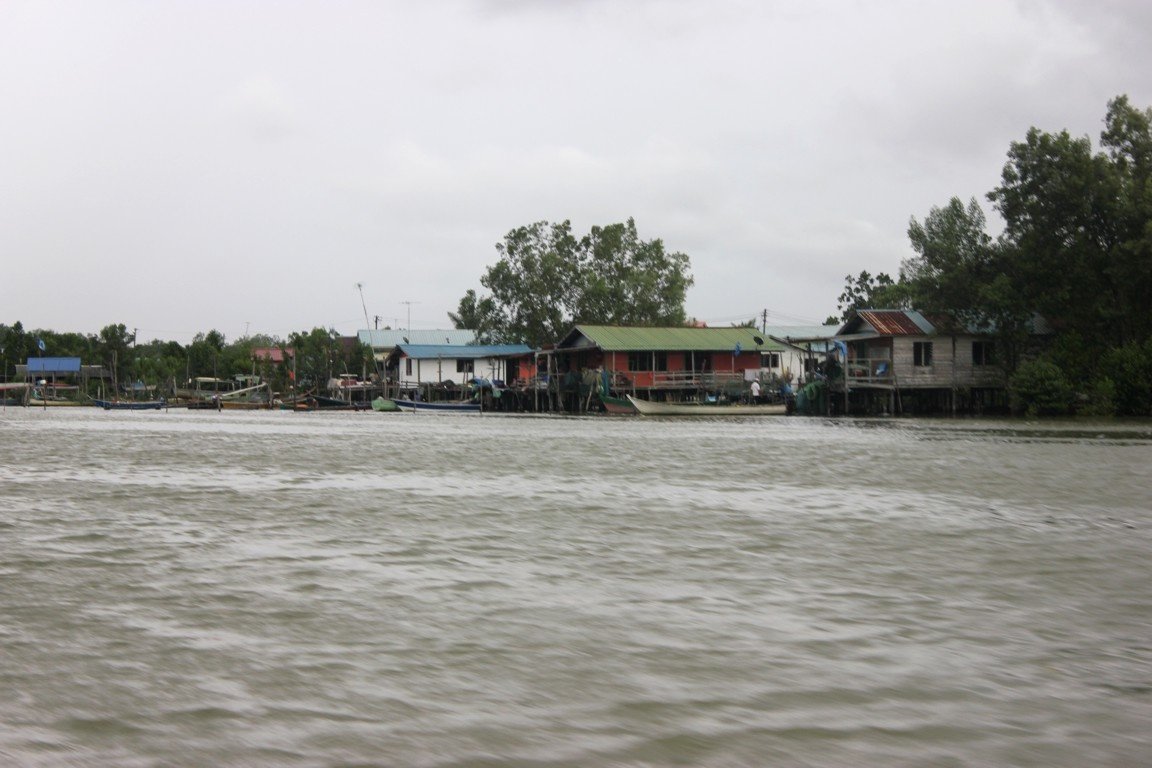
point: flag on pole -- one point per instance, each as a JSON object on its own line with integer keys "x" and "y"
{"x": 40, "y": 344}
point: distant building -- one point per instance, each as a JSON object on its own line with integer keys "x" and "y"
{"x": 414, "y": 365}
{"x": 901, "y": 360}
{"x": 383, "y": 342}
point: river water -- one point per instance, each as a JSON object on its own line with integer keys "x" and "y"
{"x": 190, "y": 588}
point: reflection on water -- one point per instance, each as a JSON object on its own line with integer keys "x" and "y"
{"x": 187, "y": 588}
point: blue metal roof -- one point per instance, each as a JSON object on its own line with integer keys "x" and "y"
{"x": 53, "y": 365}
{"x": 460, "y": 352}
{"x": 387, "y": 339}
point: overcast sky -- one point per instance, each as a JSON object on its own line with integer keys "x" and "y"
{"x": 181, "y": 166}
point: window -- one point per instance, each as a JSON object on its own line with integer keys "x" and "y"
{"x": 407, "y": 366}
{"x": 922, "y": 354}
{"x": 983, "y": 353}
{"x": 465, "y": 366}
{"x": 769, "y": 359}
{"x": 647, "y": 361}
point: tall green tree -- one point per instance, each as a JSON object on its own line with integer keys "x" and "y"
{"x": 1060, "y": 202}
{"x": 865, "y": 291}
{"x": 547, "y": 279}
{"x": 629, "y": 281}
{"x": 1127, "y": 137}
{"x": 113, "y": 347}
{"x": 961, "y": 271}
{"x": 204, "y": 355}
{"x": 318, "y": 357}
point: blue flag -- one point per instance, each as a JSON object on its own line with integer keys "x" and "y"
{"x": 40, "y": 343}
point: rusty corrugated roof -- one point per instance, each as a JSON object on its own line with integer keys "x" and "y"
{"x": 895, "y": 322}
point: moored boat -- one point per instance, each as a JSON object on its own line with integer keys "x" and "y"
{"x": 652, "y": 408}
{"x": 129, "y": 405}
{"x": 444, "y": 406}
{"x": 617, "y": 405}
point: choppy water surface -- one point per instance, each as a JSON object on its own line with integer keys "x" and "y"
{"x": 280, "y": 589}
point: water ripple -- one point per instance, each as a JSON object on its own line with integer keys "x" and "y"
{"x": 185, "y": 588}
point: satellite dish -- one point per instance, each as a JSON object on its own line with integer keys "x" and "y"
{"x": 758, "y": 340}
{"x": 405, "y": 339}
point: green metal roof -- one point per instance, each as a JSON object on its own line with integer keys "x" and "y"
{"x": 635, "y": 339}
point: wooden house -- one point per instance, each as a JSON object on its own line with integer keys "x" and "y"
{"x": 671, "y": 363}
{"x": 904, "y": 361}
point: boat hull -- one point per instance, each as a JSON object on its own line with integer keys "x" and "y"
{"x": 448, "y": 407}
{"x": 617, "y": 405}
{"x": 650, "y": 408}
{"x": 130, "y": 405}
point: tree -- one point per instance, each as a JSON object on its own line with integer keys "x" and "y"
{"x": 1040, "y": 388}
{"x": 547, "y": 279}
{"x": 476, "y": 313}
{"x": 959, "y": 270}
{"x": 204, "y": 355}
{"x": 627, "y": 281}
{"x": 112, "y": 347}
{"x": 1059, "y": 204}
{"x": 318, "y": 354}
{"x": 1128, "y": 139}
{"x": 953, "y": 255}
{"x": 867, "y": 292}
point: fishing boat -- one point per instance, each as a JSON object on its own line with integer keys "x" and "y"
{"x": 129, "y": 405}
{"x": 321, "y": 403}
{"x": 652, "y": 408}
{"x": 617, "y": 405}
{"x": 43, "y": 396}
{"x": 254, "y": 398}
{"x": 443, "y": 406}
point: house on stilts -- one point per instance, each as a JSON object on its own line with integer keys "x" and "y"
{"x": 901, "y": 361}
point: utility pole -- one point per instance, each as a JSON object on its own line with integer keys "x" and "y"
{"x": 764, "y": 321}
{"x": 409, "y": 303}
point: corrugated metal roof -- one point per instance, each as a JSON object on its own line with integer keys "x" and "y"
{"x": 390, "y": 338}
{"x": 803, "y": 332}
{"x": 795, "y": 333}
{"x": 53, "y": 365}
{"x": 462, "y": 352}
{"x": 612, "y": 338}
{"x": 896, "y": 322}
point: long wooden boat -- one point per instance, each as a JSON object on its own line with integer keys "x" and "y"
{"x": 41, "y": 402}
{"x": 450, "y": 406}
{"x": 651, "y": 408}
{"x": 129, "y": 405}
{"x": 320, "y": 403}
{"x": 617, "y": 405}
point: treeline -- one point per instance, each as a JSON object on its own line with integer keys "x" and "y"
{"x": 1075, "y": 257}
{"x": 320, "y": 355}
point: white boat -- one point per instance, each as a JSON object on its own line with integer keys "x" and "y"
{"x": 651, "y": 408}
